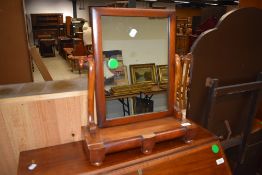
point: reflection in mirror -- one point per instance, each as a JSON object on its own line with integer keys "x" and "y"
{"x": 135, "y": 52}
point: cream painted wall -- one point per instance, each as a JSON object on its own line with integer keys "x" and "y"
{"x": 149, "y": 46}
{"x": 49, "y": 6}
{"x": 65, "y": 6}
{"x": 46, "y": 6}
{"x": 84, "y": 13}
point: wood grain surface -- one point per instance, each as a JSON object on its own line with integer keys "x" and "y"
{"x": 37, "y": 121}
{"x": 170, "y": 157}
{"x": 40, "y": 64}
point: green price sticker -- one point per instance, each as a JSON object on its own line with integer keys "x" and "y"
{"x": 215, "y": 148}
{"x": 112, "y": 63}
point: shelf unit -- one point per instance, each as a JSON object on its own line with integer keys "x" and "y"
{"x": 46, "y": 25}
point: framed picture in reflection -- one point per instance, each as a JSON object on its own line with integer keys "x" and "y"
{"x": 143, "y": 73}
{"x": 162, "y": 71}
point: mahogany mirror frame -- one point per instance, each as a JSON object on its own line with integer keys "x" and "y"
{"x": 97, "y": 12}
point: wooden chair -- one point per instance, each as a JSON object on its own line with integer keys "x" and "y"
{"x": 182, "y": 65}
{"x": 79, "y": 55}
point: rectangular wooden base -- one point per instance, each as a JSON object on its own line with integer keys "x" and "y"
{"x": 141, "y": 134}
{"x": 168, "y": 157}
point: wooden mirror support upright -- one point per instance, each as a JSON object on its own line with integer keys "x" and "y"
{"x": 91, "y": 88}
{"x": 143, "y": 130}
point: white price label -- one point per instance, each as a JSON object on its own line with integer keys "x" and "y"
{"x": 220, "y": 161}
{"x": 186, "y": 124}
{"x": 32, "y": 166}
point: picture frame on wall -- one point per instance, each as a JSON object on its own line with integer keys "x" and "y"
{"x": 143, "y": 73}
{"x": 162, "y": 72}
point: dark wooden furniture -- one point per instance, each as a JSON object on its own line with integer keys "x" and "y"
{"x": 170, "y": 157}
{"x": 79, "y": 35}
{"x": 47, "y": 47}
{"x": 68, "y": 26}
{"x": 43, "y": 37}
{"x": 68, "y": 51}
{"x": 46, "y": 24}
{"x": 64, "y": 42}
{"x": 183, "y": 32}
{"x": 228, "y": 64}
{"x": 78, "y": 63}
{"x": 78, "y": 55}
{"x": 182, "y": 44}
{"x": 145, "y": 131}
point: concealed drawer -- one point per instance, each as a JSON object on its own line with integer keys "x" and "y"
{"x": 190, "y": 162}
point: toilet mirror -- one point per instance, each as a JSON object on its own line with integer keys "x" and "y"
{"x": 134, "y": 58}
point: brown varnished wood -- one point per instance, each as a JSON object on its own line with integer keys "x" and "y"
{"x": 134, "y": 12}
{"x": 40, "y": 65}
{"x": 186, "y": 61}
{"x": 181, "y": 80}
{"x": 142, "y": 134}
{"x": 78, "y": 47}
{"x": 171, "y": 61}
{"x": 46, "y": 24}
{"x": 231, "y": 54}
{"x": 250, "y": 3}
{"x": 91, "y": 89}
{"x": 143, "y": 130}
{"x": 182, "y": 164}
{"x": 97, "y": 40}
{"x": 178, "y": 73}
{"x": 170, "y": 157}
{"x": 15, "y": 57}
{"x": 137, "y": 118}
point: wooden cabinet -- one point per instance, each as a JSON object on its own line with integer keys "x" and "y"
{"x": 46, "y": 24}
{"x": 46, "y": 47}
{"x": 170, "y": 157}
{"x": 182, "y": 44}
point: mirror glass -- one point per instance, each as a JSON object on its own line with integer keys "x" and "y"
{"x": 135, "y": 53}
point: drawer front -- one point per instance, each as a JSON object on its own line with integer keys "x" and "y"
{"x": 198, "y": 160}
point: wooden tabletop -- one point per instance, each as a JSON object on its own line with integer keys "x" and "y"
{"x": 42, "y": 88}
{"x": 170, "y": 157}
{"x": 154, "y": 90}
